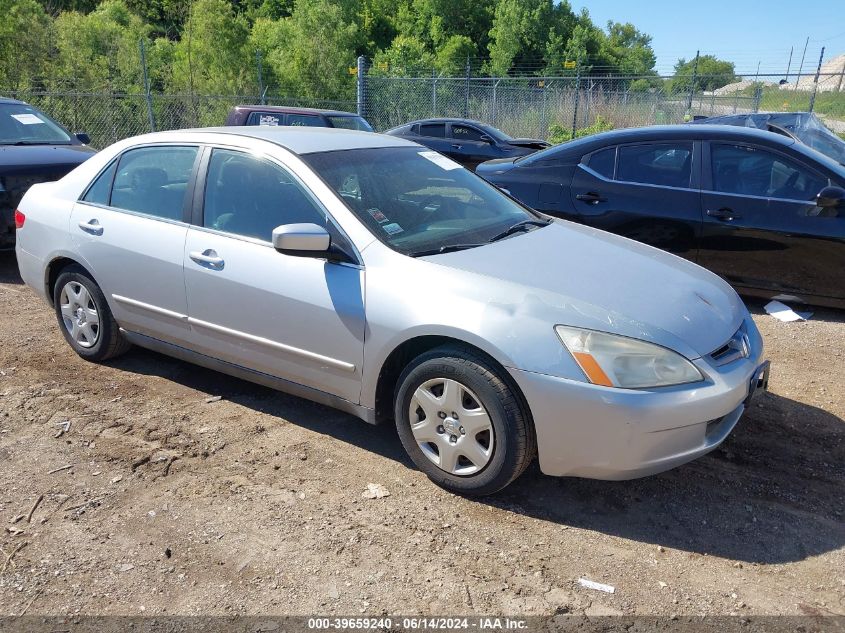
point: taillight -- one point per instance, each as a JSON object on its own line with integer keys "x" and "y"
{"x": 20, "y": 218}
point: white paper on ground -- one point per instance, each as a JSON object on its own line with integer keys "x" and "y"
{"x": 440, "y": 160}
{"x": 589, "y": 584}
{"x": 783, "y": 312}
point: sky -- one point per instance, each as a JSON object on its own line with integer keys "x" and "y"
{"x": 742, "y": 31}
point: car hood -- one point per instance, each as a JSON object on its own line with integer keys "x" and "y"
{"x": 530, "y": 143}
{"x": 42, "y": 158}
{"x": 495, "y": 166}
{"x": 575, "y": 275}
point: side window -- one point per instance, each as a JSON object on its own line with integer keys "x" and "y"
{"x": 265, "y": 118}
{"x": 154, "y": 180}
{"x": 603, "y": 162}
{"x": 305, "y": 120}
{"x": 466, "y": 133}
{"x": 756, "y": 172}
{"x": 100, "y": 191}
{"x": 664, "y": 164}
{"x": 249, "y": 196}
{"x": 436, "y": 130}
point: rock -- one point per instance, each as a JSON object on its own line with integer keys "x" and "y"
{"x": 375, "y": 491}
{"x": 211, "y": 399}
{"x": 126, "y": 567}
{"x": 662, "y": 584}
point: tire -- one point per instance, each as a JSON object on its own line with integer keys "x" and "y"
{"x": 462, "y": 450}
{"x": 79, "y": 303}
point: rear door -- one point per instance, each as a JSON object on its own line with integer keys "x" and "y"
{"x": 130, "y": 228}
{"x": 645, "y": 191}
{"x": 762, "y": 228}
{"x": 434, "y": 135}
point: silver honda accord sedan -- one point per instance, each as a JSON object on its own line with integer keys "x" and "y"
{"x": 373, "y": 275}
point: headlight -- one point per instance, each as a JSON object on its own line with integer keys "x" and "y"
{"x": 619, "y": 361}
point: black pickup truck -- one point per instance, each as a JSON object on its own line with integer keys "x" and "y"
{"x": 33, "y": 148}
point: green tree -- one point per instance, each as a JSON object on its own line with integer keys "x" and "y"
{"x": 24, "y": 43}
{"x": 99, "y": 51}
{"x": 309, "y": 54}
{"x": 627, "y": 51}
{"x": 451, "y": 57}
{"x": 406, "y": 55}
{"x": 712, "y": 73}
{"x": 212, "y": 56}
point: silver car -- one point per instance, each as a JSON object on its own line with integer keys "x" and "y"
{"x": 376, "y": 276}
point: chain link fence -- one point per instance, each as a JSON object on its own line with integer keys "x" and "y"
{"x": 552, "y": 108}
{"x": 556, "y": 107}
{"x": 110, "y": 117}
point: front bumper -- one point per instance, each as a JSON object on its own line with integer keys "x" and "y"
{"x": 597, "y": 432}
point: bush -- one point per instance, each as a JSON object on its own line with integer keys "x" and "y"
{"x": 559, "y": 134}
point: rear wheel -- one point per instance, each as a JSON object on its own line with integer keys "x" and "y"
{"x": 85, "y": 318}
{"x": 462, "y": 423}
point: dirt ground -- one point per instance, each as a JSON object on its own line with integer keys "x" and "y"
{"x": 162, "y": 499}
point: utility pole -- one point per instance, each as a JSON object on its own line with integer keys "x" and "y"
{"x": 801, "y": 67}
{"x": 816, "y": 81}
{"x": 692, "y": 85}
{"x": 789, "y": 64}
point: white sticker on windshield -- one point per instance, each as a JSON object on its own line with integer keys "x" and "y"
{"x": 440, "y": 160}
{"x": 27, "y": 119}
{"x": 392, "y": 228}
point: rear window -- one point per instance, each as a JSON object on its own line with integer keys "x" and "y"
{"x": 265, "y": 118}
{"x": 305, "y": 120}
{"x": 664, "y": 164}
{"x": 436, "y": 130}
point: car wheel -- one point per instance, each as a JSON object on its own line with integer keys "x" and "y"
{"x": 84, "y": 317}
{"x": 462, "y": 423}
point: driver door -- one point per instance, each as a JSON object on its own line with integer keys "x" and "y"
{"x": 762, "y": 228}
{"x": 296, "y": 318}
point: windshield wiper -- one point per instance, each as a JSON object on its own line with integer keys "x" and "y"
{"x": 522, "y": 225}
{"x": 448, "y": 248}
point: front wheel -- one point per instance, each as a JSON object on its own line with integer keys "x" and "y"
{"x": 85, "y": 318}
{"x": 461, "y": 422}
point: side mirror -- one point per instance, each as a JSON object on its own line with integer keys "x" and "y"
{"x": 831, "y": 197}
{"x": 302, "y": 240}
{"x": 82, "y": 137}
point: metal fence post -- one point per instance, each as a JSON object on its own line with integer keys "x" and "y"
{"x": 493, "y": 115}
{"x": 692, "y": 84}
{"x": 577, "y": 91}
{"x": 758, "y": 97}
{"x": 816, "y": 82}
{"x": 259, "y": 69}
{"x": 149, "y": 96}
{"x": 361, "y": 84}
{"x": 466, "y": 90}
{"x": 433, "y": 93}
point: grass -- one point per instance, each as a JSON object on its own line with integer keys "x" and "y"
{"x": 830, "y": 104}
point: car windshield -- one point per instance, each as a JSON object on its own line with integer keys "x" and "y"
{"x": 350, "y": 123}
{"x": 21, "y": 124}
{"x": 419, "y": 202}
{"x": 496, "y": 133}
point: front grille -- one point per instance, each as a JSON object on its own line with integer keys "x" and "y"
{"x": 737, "y": 347}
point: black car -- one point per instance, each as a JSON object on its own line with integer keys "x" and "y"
{"x": 33, "y": 148}
{"x": 764, "y": 212}
{"x": 467, "y": 142}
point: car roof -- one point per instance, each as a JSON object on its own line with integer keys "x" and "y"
{"x": 293, "y": 110}
{"x": 444, "y": 120}
{"x": 299, "y": 140}
{"x": 15, "y": 101}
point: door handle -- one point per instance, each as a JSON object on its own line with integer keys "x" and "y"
{"x": 92, "y": 226}
{"x": 456, "y": 146}
{"x": 723, "y": 214}
{"x": 591, "y": 197}
{"x": 207, "y": 257}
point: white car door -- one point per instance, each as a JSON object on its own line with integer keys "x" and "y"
{"x": 296, "y": 318}
{"x": 129, "y": 227}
